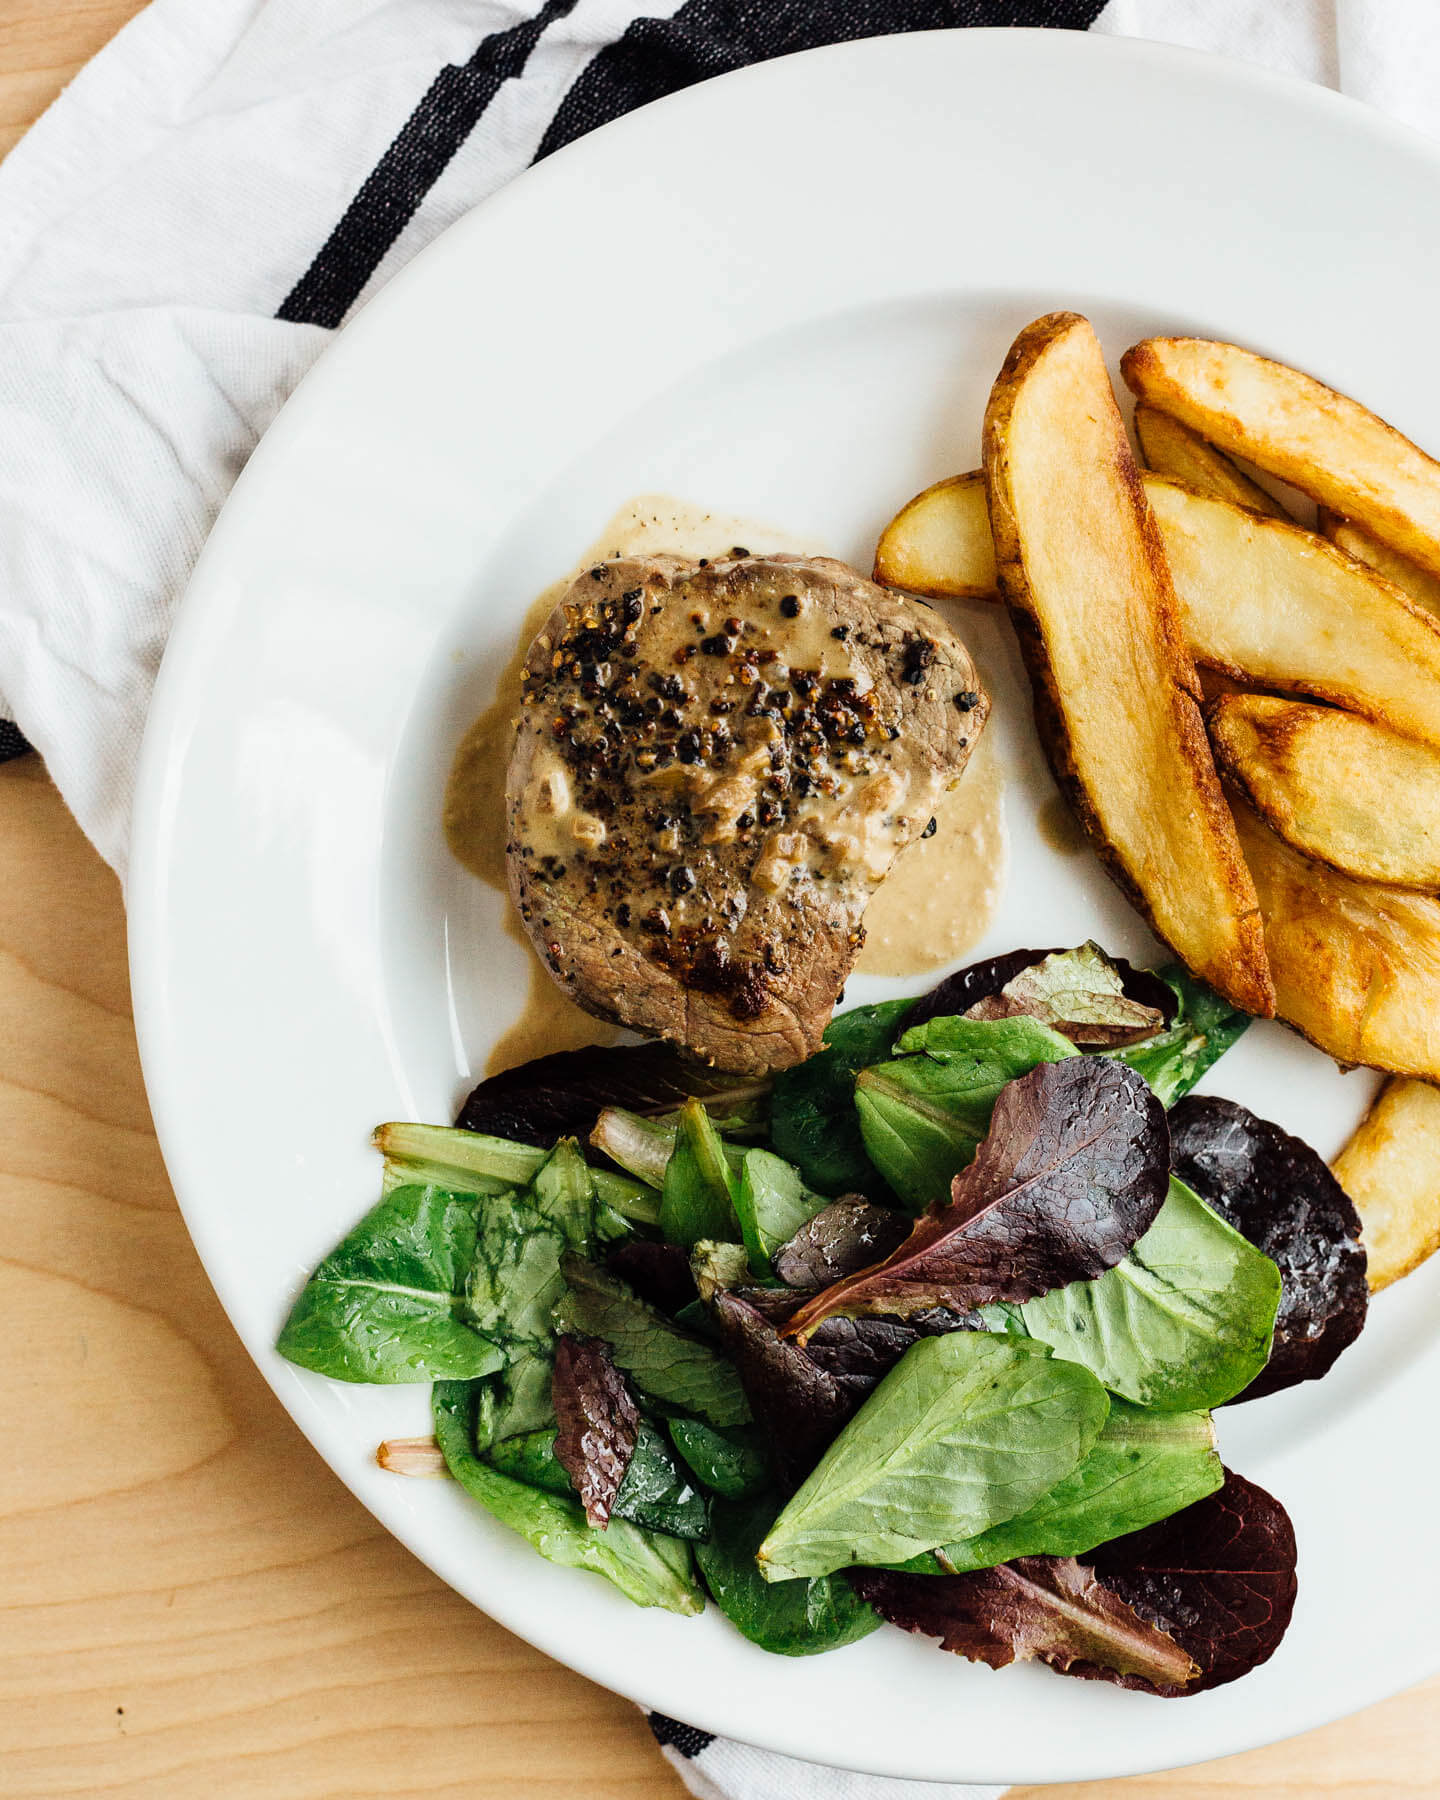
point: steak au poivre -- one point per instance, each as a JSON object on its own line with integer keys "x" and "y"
{"x": 715, "y": 767}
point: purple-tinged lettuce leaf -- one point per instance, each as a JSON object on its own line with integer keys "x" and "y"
{"x": 923, "y": 1113}
{"x": 864, "y": 1349}
{"x": 1277, "y": 1192}
{"x": 846, "y": 1237}
{"x": 1194, "y": 1602}
{"x": 957, "y": 993}
{"x": 1073, "y": 1171}
{"x": 799, "y": 1406}
{"x": 598, "y": 1423}
{"x": 1219, "y": 1577}
{"x": 1079, "y": 993}
{"x": 669, "y": 1366}
{"x": 802, "y": 1397}
{"x": 559, "y": 1096}
{"x": 1046, "y": 1607}
{"x": 659, "y": 1273}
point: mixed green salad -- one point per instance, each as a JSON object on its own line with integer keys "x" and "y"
{"x": 926, "y": 1330}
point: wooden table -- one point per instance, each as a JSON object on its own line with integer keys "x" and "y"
{"x": 193, "y": 1605}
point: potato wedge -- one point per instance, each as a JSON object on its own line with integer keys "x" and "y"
{"x": 1278, "y": 607}
{"x": 1116, "y": 696}
{"x": 1422, "y": 587}
{"x": 1265, "y": 603}
{"x": 940, "y": 544}
{"x": 1391, "y": 1170}
{"x": 1322, "y": 442}
{"x": 1356, "y": 966}
{"x": 1336, "y": 787}
{"x": 1173, "y": 449}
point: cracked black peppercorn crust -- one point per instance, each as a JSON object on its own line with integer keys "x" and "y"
{"x": 714, "y": 768}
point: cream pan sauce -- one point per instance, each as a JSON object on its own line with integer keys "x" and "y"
{"x": 943, "y": 892}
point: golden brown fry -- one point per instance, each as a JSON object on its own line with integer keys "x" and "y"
{"x": 1263, "y": 606}
{"x": 1391, "y": 1170}
{"x": 1336, "y": 787}
{"x": 1356, "y": 966}
{"x": 1173, "y": 449}
{"x": 1116, "y": 696}
{"x": 1292, "y": 426}
{"x": 1265, "y": 603}
{"x": 1422, "y": 587}
{"x": 1278, "y": 607}
{"x": 940, "y": 544}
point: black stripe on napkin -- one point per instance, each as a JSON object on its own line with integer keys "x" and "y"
{"x": 689, "y": 1740}
{"x": 13, "y": 741}
{"x": 711, "y": 37}
{"x": 452, "y": 106}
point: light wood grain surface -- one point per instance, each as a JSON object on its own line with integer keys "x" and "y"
{"x": 190, "y": 1604}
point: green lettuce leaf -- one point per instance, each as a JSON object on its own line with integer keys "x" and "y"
{"x": 1144, "y": 1466}
{"x": 772, "y": 1204}
{"x": 730, "y": 1463}
{"x": 1203, "y": 1029}
{"x": 650, "y": 1570}
{"x": 1183, "y": 1322}
{"x": 700, "y": 1191}
{"x": 665, "y": 1363}
{"x": 388, "y": 1304}
{"x": 789, "y": 1618}
{"x": 967, "y": 1430}
{"x": 922, "y": 1115}
{"x": 812, "y": 1106}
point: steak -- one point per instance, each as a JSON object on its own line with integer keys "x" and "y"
{"x": 715, "y": 766}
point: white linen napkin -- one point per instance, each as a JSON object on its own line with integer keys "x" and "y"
{"x": 225, "y": 182}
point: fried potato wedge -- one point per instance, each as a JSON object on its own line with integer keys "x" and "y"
{"x": 1336, "y": 787}
{"x": 940, "y": 544}
{"x": 1356, "y": 966}
{"x": 1409, "y": 577}
{"x": 1272, "y": 605}
{"x": 1083, "y": 570}
{"x": 1264, "y": 602}
{"x": 1290, "y": 425}
{"x": 1391, "y": 1170}
{"x": 1173, "y": 449}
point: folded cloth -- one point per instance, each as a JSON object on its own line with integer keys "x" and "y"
{"x": 222, "y": 186}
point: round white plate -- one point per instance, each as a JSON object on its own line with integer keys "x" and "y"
{"x": 783, "y": 294}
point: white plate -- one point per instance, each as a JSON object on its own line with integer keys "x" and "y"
{"x": 785, "y": 294}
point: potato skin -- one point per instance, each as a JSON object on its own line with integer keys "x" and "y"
{"x": 1413, "y": 581}
{"x": 1234, "y": 959}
